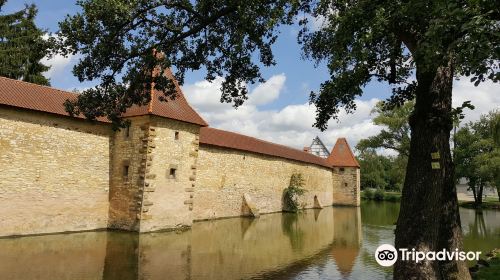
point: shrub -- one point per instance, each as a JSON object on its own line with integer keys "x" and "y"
{"x": 368, "y": 194}
{"x": 392, "y": 197}
{"x": 292, "y": 193}
{"x": 379, "y": 195}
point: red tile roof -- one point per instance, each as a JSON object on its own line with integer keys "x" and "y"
{"x": 226, "y": 139}
{"x": 177, "y": 109}
{"x": 341, "y": 155}
{"x": 46, "y": 99}
{"x": 34, "y": 97}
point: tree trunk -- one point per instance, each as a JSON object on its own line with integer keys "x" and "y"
{"x": 498, "y": 193}
{"x": 479, "y": 200}
{"x": 429, "y": 219}
{"x": 473, "y": 188}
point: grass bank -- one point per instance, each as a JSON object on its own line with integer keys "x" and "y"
{"x": 380, "y": 195}
{"x": 488, "y": 203}
{"x": 489, "y": 270}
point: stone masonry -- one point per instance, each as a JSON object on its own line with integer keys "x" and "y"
{"x": 61, "y": 173}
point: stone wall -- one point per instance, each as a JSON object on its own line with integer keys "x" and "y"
{"x": 224, "y": 176}
{"x": 128, "y": 162}
{"x": 54, "y": 173}
{"x": 168, "y": 199}
{"x": 346, "y": 186}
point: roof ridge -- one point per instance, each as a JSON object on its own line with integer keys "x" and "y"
{"x": 37, "y": 85}
{"x": 265, "y": 141}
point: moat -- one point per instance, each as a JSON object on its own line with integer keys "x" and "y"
{"x": 331, "y": 243}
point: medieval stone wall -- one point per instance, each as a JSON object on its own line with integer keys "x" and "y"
{"x": 65, "y": 174}
{"x": 224, "y": 176}
{"x": 346, "y": 186}
{"x": 128, "y": 161}
{"x": 54, "y": 173}
{"x": 168, "y": 197}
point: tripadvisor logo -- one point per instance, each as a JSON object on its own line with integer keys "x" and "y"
{"x": 387, "y": 255}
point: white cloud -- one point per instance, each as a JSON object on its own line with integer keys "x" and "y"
{"x": 291, "y": 125}
{"x": 484, "y": 97}
{"x": 267, "y": 92}
{"x": 57, "y": 63}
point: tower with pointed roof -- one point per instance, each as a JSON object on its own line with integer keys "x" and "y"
{"x": 346, "y": 185}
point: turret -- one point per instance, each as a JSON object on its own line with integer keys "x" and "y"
{"x": 346, "y": 169}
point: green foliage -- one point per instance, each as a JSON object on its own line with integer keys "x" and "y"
{"x": 396, "y": 132}
{"x": 116, "y": 39}
{"x": 477, "y": 156}
{"x": 386, "y": 172}
{"x": 293, "y": 192}
{"x": 393, "y": 40}
{"x": 378, "y": 195}
{"x": 382, "y": 172}
{"x": 392, "y": 197}
{"x": 22, "y": 46}
{"x": 368, "y": 194}
{"x": 119, "y": 41}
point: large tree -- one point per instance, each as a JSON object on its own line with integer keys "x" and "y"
{"x": 477, "y": 156}
{"x": 418, "y": 46}
{"x": 22, "y": 46}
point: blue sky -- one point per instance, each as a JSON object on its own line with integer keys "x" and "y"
{"x": 302, "y": 76}
{"x": 278, "y": 110}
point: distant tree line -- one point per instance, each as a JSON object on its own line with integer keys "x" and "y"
{"x": 386, "y": 171}
{"x": 476, "y": 150}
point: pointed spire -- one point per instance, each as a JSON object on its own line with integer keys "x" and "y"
{"x": 342, "y": 155}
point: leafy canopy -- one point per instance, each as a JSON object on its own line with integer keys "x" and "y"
{"x": 22, "y": 46}
{"x": 360, "y": 40}
{"x": 477, "y": 155}
{"x": 395, "y": 134}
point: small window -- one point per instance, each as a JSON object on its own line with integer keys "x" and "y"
{"x": 345, "y": 185}
{"x": 125, "y": 171}
{"x": 176, "y": 135}
{"x": 127, "y": 131}
{"x": 172, "y": 173}
{"x": 341, "y": 170}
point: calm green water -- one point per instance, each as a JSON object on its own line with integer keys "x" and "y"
{"x": 332, "y": 243}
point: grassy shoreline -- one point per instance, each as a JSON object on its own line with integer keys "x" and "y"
{"x": 380, "y": 195}
{"x": 489, "y": 269}
{"x": 488, "y": 203}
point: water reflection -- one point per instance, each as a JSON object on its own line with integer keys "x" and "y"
{"x": 330, "y": 243}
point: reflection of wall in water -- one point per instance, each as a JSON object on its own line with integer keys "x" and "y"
{"x": 347, "y": 238}
{"x": 276, "y": 245}
{"x": 48, "y": 257}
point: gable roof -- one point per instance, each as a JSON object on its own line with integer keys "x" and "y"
{"x": 226, "y": 139}
{"x": 341, "y": 155}
{"x": 30, "y": 96}
{"x": 177, "y": 109}
{"x": 317, "y": 147}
